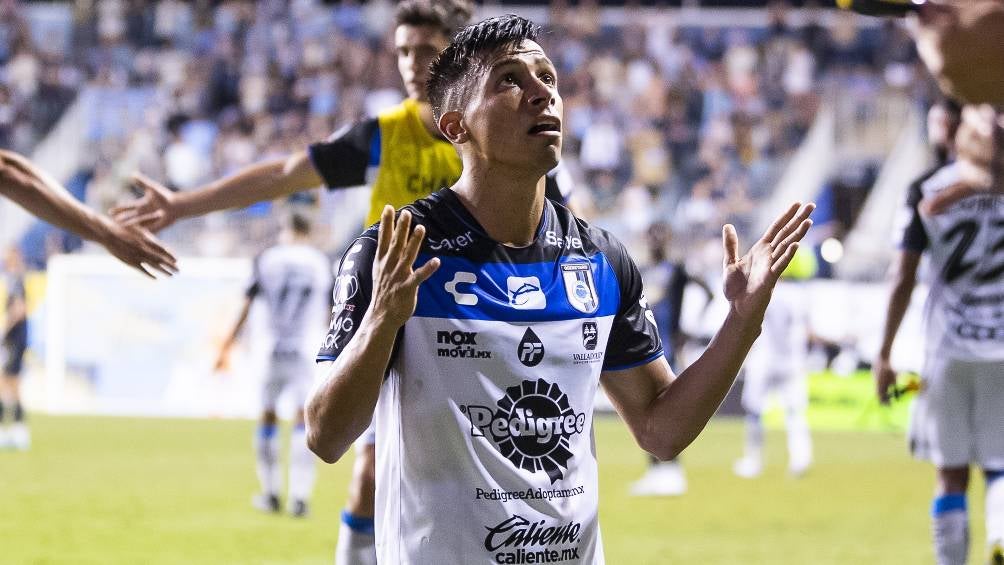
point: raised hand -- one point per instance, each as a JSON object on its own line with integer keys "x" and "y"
{"x": 137, "y": 248}
{"x": 750, "y": 279}
{"x": 395, "y": 282}
{"x": 154, "y": 211}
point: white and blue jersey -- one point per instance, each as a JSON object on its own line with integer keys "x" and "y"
{"x": 485, "y": 448}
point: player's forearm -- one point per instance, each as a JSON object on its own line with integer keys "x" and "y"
{"x": 899, "y": 301}
{"x": 683, "y": 409}
{"x": 41, "y": 195}
{"x": 257, "y": 183}
{"x": 342, "y": 405}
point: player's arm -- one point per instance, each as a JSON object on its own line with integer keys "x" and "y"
{"x": 904, "y": 279}
{"x": 223, "y": 359}
{"x": 268, "y": 180}
{"x": 342, "y": 403}
{"x": 337, "y": 162}
{"x": 40, "y": 194}
{"x": 666, "y": 415}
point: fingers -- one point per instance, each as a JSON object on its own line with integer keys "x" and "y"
{"x": 149, "y": 221}
{"x": 782, "y": 262}
{"x": 150, "y": 186}
{"x": 794, "y": 237}
{"x": 385, "y": 230}
{"x": 401, "y": 230}
{"x": 782, "y": 220}
{"x": 792, "y": 224}
{"x": 423, "y": 273}
{"x": 414, "y": 245}
{"x": 730, "y": 242}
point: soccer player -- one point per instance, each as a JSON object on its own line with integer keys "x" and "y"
{"x": 401, "y": 154}
{"x": 480, "y": 337}
{"x": 959, "y": 412}
{"x": 777, "y": 363}
{"x": 14, "y": 344}
{"x": 294, "y": 280}
{"x": 41, "y": 195}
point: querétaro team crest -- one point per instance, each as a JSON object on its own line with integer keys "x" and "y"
{"x": 579, "y": 287}
{"x": 531, "y": 426}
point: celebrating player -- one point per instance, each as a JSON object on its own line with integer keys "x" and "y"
{"x": 959, "y": 414}
{"x": 294, "y": 279}
{"x": 40, "y": 194}
{"x": 480, "y": 337}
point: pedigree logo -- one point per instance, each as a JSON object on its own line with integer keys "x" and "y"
{"x": 531, "y": 426}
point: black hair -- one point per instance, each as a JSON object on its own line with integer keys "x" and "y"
{"x": 447, "y": 16}
{"x": 456, "y": 69}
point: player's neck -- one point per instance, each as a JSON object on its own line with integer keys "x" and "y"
{"x": 507, "y": 207}
{"x": 425, "y": 115}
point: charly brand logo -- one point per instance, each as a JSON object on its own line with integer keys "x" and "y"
{"x": 460, "y": 345}
{"x": 452, "y": 243}
{"x": 525, "y": 293}
{"x": 531, "y": 426}
{"x": 590, "y": 333}
{"x": 462, "y": 298}
{"x": 530, "y": 350}
{"x": 346, "y": 283}
{"x": 579, "y": 287}
{"x": 643, "y": 302}
{"x": 519, "y": 540}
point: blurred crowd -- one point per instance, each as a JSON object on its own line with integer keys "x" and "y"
{"x": 691, "y": 125}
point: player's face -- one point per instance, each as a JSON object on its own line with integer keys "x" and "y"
{"x": 416, "y": 47}
{"x": 515, "y": 114}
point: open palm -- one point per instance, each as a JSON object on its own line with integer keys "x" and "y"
{"x": 750, "y": 279}
{"x": 153, "y": 211}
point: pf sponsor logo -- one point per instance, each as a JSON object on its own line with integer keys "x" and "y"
{"x": 460, "y": 345}
{"x": 519, "y": 540}
{"x": 531, "y": 426}
{"x": 530, "y": 350}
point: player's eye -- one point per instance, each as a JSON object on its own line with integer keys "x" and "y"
{"x": 548, "y": 79}
{"x": 508, "y": 78}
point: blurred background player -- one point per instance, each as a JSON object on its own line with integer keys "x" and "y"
{"x": 777, "y": 363}
{"x": 41, "y": 195}
{"x": 666, "y": 279}
{"x": 959, "y": 415}
{"x": 15, "y": 342}
{"x": 294, "y": 279}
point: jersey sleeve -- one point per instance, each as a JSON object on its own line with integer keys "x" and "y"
{"x": 914, "y": 236}
{"x": 342, "y": 159}
{"x": 353, "y": 290}
{"x": 634, "y": 337}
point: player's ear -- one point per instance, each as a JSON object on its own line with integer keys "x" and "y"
{"x": 452, "y": 126}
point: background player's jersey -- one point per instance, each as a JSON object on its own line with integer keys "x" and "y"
{"x": 484, "y": 425}
{"x": 401, "y": 162}
{"x": 965, "y": 306}
{"x": 782, "y": 347}
{"x": 295, "y": 281}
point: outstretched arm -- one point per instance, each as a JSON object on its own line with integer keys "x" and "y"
{"x": 904, "y": 281}
{"x": 666, "y": 414}
{"x": 159, "y": 207}
{"x": 342, "y": 404}
{"x": 40, "y": 194}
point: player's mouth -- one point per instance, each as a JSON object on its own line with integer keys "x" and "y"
{"x": 547, "y": 127}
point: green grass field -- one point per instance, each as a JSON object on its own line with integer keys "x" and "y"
{"x": 148, "y": 491}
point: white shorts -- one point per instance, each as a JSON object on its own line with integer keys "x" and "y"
{"x": 291, "y": 371}
{"x": 790, "y": 386}
{"x": 958, "y": 418}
